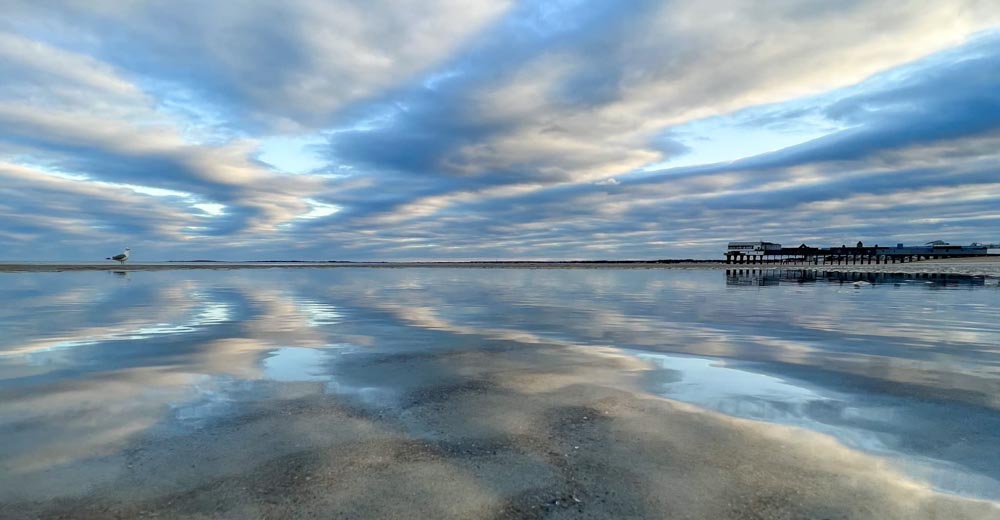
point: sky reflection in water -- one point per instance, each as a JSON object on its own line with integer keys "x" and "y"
{"x": 908, "y": 368}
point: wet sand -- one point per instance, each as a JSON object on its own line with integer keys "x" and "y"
{"x": 557, "y": 431}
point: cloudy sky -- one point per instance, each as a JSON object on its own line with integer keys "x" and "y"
{"x": 493, "y": 129}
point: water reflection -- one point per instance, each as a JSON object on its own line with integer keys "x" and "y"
{"x": 920, "y": 434}
{"x": 88, "y": 362}
{"x": 775, "y": 276}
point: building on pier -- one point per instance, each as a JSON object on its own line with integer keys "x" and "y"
{"x": 754, "y": 248}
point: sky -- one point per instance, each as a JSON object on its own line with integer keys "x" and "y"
{"x": 493, "y": 129}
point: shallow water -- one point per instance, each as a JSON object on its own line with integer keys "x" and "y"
{"x": 901, "y": 367}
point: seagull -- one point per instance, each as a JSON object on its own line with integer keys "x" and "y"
{"x": 122, "y": 257}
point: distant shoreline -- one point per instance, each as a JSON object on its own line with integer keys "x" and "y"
{"x": 974, "y": 266}
{"x": 211, "y": 264}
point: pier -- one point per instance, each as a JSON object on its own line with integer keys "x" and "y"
{"x": 762, "y": 253}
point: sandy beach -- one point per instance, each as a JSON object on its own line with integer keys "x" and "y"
{"x": 523, "y": 438}
{"x": 436, "y": 393}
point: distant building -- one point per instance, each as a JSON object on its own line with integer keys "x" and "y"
{"x": 754, "y": 248}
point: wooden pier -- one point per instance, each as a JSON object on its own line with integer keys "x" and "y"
{"x": 741, "y": 253}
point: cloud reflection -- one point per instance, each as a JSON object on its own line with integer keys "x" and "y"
{"x": 206, "y": 343}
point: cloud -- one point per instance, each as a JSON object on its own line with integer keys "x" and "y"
{"x": 147, "y": 95}
{"x": 918, "y": 160}
{"x": 492, "y": 129}
{"x": 586, "y": 101}
{"x": 273, "y": 63}
{"x": 48, "y": 121}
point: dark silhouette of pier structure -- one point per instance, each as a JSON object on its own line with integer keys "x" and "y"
{"x": 771, "y": 276}
{"x": 761, "y": 253}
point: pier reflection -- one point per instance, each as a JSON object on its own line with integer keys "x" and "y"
{"x": 774, "y": 277}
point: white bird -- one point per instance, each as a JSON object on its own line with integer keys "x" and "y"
{"x": 122, "y": 257}
{"x": 861, "y": 283}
